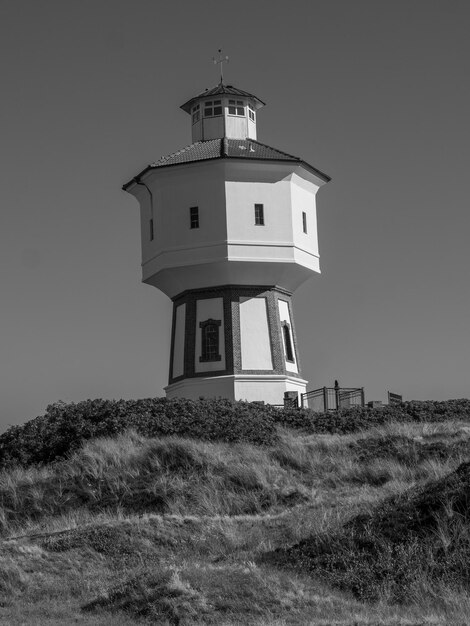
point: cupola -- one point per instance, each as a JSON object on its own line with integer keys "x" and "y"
{"x": 223, "y": 111}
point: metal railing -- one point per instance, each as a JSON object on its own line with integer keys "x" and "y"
{"x": 333, "y": 398}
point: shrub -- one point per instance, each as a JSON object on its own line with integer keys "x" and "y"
{"x": 358, "y": 418}
{"x": 65, "y": 426}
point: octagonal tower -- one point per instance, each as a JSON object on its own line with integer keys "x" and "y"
{"x": 229, "y": 231}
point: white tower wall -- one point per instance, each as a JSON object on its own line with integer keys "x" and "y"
{"x": 228, "y": 247}
{"x": 255, "y": 345}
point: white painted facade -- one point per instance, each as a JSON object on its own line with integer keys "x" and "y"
{"x": 228, "y": 247}
{"x": 250, "y": 387}
{"x": 255, "y": 345}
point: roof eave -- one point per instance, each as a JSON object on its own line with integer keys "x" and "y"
{"x": 316, "y": 171}
{"x": 186, "y": 107}
{"x": 137, "y": 178}
{"x": 309, "y": 167}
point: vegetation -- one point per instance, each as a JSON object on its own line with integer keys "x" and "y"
{"x": 358, "y": 418}
{"x": 413, "y": 542}
{"x": 64, "y": 427}
{"x": 358, "y": 526}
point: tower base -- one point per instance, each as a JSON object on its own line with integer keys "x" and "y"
{"x": 236, "y": 342}
{"x": 249, "y": 387}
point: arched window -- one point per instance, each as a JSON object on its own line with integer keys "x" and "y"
{"x": 288, "y": 342}
{"x": 210, "y": 340}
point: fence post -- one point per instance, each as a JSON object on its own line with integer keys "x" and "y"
{"x": 363, "y": 398}
{"x": 325, "y": 399}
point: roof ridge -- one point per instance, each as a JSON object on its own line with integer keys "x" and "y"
{"x": 265, "y": 145}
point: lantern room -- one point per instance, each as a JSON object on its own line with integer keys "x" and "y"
{"x": 223, "y": 111}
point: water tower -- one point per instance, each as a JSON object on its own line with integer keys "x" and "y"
{"x": 229, "y": 231}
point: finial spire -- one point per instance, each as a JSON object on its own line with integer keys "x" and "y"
{"x": 220, "y": 61}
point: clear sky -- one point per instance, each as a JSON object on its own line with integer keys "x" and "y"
{"x": 374, "y": 93}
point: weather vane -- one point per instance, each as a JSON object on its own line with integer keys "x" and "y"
{"x": 220, "y": 61}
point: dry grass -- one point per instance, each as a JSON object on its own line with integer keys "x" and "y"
{"x": 131, "y": 529}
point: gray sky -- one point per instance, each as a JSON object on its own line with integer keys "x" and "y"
{"x": 376, "y": 94}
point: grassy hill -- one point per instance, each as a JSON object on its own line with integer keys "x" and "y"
{"x": 178, "y": 512}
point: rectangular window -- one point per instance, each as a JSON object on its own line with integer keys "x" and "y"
{"x": 210, "y": 340}
{"x": 151, "y": 229}
{"x": 304, "y": 221}
{"x": 251, "y": 113}
{"x": 259, "y": 215}
{"x": 195, "y": 113}
{"x": 288, "y": 342}
{"x": 194, "y": 217}
{"x": 236, "y": 107}
{"x": 212, "y": 108}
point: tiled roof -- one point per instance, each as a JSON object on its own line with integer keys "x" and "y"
{"x": 221, "y": 89}
{"x": 220, "y": 148}
{"x": 198, "y": 151}
{"x": 255, "y": 150}
{"x": 227, "y": 148}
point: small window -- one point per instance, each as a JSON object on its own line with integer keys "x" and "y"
{"x": 304, "y": 221}
{"x": 288, "y": 342}
{"x": 259, "y": 215}
{"x": 196, "y": 113}
{"x": 212, "y": 108}
{"x": 210, "y": 340}
{"x": 194, "y": 217}
{"x": 236, "y": 107}
{"x": 251, "y": 113}
{"x": 151, "y": 229}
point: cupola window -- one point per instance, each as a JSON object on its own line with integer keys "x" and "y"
{"x": 196, "y": 113}
{"x": 251, "y": 113}
{"x": 236, "y": 107}
{"x": 212, "y": 108}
